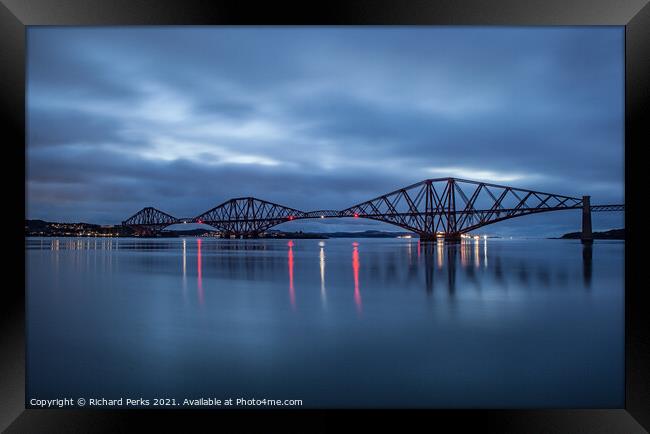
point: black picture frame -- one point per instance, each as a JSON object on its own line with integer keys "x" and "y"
{"x": 15, "y": 15}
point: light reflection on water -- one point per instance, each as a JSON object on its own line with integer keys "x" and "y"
{"x": 321, "y": 257}
{"x": 355, "y": 271}
{"x": 435, "y": 324}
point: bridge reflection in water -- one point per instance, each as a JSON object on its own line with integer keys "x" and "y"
{"x": 292, "y": 291}
{"x": 321, "y": 257}
{"x": 432, "y": 259}
{"x": 355, "y": 271}
{"x": 435, "y": 265}
{"x": 199, "y": 271}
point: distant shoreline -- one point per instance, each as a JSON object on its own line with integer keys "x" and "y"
{"x": 612, "y": 234}
{"x": 41, "y": 228}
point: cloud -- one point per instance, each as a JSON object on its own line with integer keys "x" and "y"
{"x": 483, "y": 175}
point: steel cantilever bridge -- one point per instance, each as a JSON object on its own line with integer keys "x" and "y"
{"x": 433, "y": 208}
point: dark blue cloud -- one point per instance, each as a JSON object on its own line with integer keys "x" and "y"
{"x": 185, "y": 118}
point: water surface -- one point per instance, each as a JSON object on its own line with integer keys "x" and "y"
{"x": 337, "y": 323}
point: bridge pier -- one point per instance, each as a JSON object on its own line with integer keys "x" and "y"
{"x": 449, "y": 238}
{"x": 428, "y": 237}
{"x": 234, "y": 234}
{"x": 145, "y": 232}
{"x": 587, "y": 236}
{"x": 453, "y": 237}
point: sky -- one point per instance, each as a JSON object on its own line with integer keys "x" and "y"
{"x": 185, "y": 118}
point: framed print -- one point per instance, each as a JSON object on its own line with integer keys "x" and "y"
{"x": 294, "y": 212}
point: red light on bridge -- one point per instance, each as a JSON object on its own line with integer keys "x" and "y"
{"x": 290, "y": 217}
{"x": 356, "y": 216}
{"x": 200, "y": 221}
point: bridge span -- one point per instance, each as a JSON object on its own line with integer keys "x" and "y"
{"x": 433, "y": 208}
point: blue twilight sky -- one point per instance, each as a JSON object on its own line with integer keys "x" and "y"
{"x": 184, "y": 118}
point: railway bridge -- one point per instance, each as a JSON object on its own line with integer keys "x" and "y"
{"x": 433, "y": 208}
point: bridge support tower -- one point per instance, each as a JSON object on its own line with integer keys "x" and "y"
{"x": 587, "y": 236}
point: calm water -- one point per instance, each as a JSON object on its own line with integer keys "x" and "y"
{"x": 336, "y": 323}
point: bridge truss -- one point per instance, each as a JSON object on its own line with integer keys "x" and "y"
{"x": 247, "y": 216}
{"x": 443, "y": 207}
{"x": 451, "y": 206}
{"x": 150, "y": 219}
